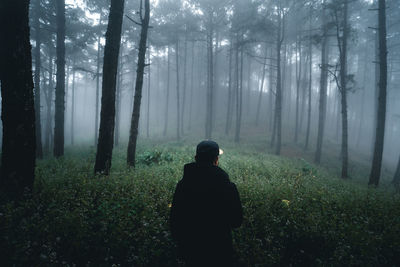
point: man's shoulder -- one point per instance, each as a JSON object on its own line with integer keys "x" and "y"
{"x": 221, "y": 173}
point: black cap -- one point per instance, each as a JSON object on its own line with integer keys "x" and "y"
{"x": 208, "y": 148}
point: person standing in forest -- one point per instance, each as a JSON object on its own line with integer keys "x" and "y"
{"x": 205, "y": 207}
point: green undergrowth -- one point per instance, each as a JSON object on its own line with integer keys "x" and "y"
{"x": 294, "y": 213}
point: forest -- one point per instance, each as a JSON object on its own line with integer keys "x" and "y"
{"x": 104, "y": 101}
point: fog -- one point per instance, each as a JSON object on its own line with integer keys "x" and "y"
{"x": 226, "y": 51}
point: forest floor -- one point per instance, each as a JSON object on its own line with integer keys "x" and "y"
{"x": 295, "y": 213}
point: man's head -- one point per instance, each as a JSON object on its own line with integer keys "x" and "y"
{"x": 208, "y": 152}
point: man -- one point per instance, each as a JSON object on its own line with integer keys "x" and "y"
{"x": 205, "y": 207}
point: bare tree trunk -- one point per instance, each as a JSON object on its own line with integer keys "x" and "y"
{"x": 309, "y": 89}
{"x": 184, "y": 85}
{"x": 271, "y": 94}
{"x": 396, "y": 178}
{"x": 73, "y": 102}
{"x": 191, "y": 88}
{"x": 107, "y": 116}
{"x": 167, "y": 96}
{"x": 60, "y": 86}
{"x": 343, "y": 91}
{"x": 298, "y": 79}
{"x": 118, "y": 98}
{"x": 380, "y": 128}
{"x": 96, "y": 119}
{"x": 230, "y": 93}
{"x": 278, "y": 99}
{"x": 210, "y": 79}
{"x": 148, "y": 97}
{"x": 239, "y": 89}
{"x": 18, "y": 112}
{"x": 49, "y": 104}
{"x": 178, "y": 108}
{"x": 139, "y": 84}
{"x": 322, "y": 91}
{"x": 248, "y": 85}
{"x": 39, "y": 150}
{"x": 261, "y": 88}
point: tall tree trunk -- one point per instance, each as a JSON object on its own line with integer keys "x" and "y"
{"x": 60, "y": 85}
{"x": 49, "y": 105}
{"x": 73, "y": 103}
{"x": 39, "y": 150}
{"x": 396, "y": 178}
{"x": 191, "y": 88}
{"x": 96, "y": 119}
{"x": 230, "y": 93}
{"x": 261, "y": 87}
{"x": 309, "y": 88}
{"x": 298, "y": 79}
{"x": 239, "y": 88}
{"x": 139, "y": 84}
{"x": 18, "y": 112}
{"x": 380, "y": 128}
{"x": 248, "y": 85}
{"x": 107, "y": 115}
{"x": 323, "y": 83}
{"x": 167, "y": 96}
{"x": 148, "y": 97}
{"x": 178, "y": 108}
{"x": 184, "y": 85}
{"x": 361, "y": 120}
{"x": 343, "y": 91}
{"x": 210, "y": 79}
{"x": 271, "y": 93}
{"x": 118, "y": 98}
{"x": 278, "y": 99}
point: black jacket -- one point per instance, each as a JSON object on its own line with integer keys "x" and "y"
{"x": 205, "y": 207}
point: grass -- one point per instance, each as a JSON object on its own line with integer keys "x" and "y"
{"x": 295, "y": 213}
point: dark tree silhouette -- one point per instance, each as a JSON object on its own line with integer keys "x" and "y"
{"x": 323, "y": 83}
{"x": 107, "y": 116}
{"x": 381, "y": 117}
{"x": 133, "y": 133}
{"x": 39, "y": 150}
{"x": 60, "y": 83}
{"x": 18, "y": 114}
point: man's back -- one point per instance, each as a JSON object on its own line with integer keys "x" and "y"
{"x": 206, "y": 206}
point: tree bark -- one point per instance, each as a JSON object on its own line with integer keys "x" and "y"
{"x": 60, "y": 84}
{"x": 239, "y": 87}
{"x": 230, "y": 93}
{"x": 18, "y": 112}
{"x": 309, "y": 89}
{"x": 148, "y": 98}
{"x": 96, "y": 119}
{"x": 191, "y": 88}
{"x": 323, "y": 82}
{"x": 167, "y": 96}
{"x": 278, "y": 98}
{"x": 396, "y": 178}
{"x": 261, "y": 89}
{"x": 178, "y": 108}
{"x": 49, "y": 105}
{"x": 107, "y": 116}
{"x": 39, "y": 150}
{"x": 131, "y": 154}
{"x": 210, "y": 79}
{"x": 343, "y": 91}
{"x": 184, "y": 86}
{"x": 298, "y": 79}
{"x": 380, "y": 127}
{"x": 73, "y": 102}
{"x": 118, "y": 98}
